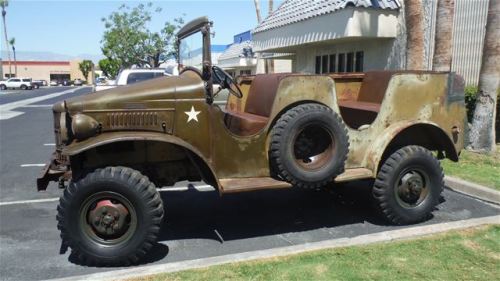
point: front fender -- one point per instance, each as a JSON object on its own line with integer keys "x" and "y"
{"x": 77, "y": 147}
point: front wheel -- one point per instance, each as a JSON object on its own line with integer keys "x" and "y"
{"x": 3, "y": 87}
{"x": 110, "y": 217}
{"x": 408, "y": 185}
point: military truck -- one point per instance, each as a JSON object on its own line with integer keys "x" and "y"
{"x": 116, "y": 147}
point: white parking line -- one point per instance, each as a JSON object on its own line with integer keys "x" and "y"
{"x": 28, "y": 201}
{"x": 37, "y": 105}
{"x": 49, "y": 144}
{"x": 32, "y": 165}
{"x": 201, "y": 188}
{"x": 6, "y": 109}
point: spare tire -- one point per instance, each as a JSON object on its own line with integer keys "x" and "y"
{"x": 309, "y": 146}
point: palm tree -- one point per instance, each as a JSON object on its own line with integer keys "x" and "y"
{"x": 443, "y": 37}
{"x": 415, "y": 34}
{"x": 4, "y": 4}
{"x": 482, "y": 133}
{"x": 12, "y": 42}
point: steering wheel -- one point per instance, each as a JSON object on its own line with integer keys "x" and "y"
{"x": 227, "y": 82}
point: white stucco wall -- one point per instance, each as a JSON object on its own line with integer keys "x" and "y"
{"x": 346, "y": 23}
{"x": 378, "y": 54}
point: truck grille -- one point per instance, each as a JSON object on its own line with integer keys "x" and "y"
{"x": 132, "y": 119}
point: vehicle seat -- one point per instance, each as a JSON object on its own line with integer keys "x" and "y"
{"x": 258, "y": 106}
{"x": 366, "y": 107}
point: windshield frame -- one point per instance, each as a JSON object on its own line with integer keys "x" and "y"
{"x": 202, "y": 25}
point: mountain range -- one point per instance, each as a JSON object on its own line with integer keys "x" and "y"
{"x": 50, "y": 56}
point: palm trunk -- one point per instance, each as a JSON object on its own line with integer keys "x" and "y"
{"x": 270, "y": 62}
{"x": 257, "y": 11}
{"x": 6, "y": 41}
{"x": 15, "y": 61}
{"x": 415, "y": 34}
{"x": 444, "y": 30}
{"x": 482, "y": 133}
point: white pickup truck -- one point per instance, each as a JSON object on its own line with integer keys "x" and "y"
{"x": 131, "y": 76}
{"x": 16, "y": 83}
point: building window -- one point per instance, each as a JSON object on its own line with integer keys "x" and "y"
{"x": 246, "y": 72}
{"x": 332, "y": 63}
{"x": 350, "y": 62}
{"x": 359, "y": 61}
{"x": 324, "y": 64}
{"x": 318, "y": 65}
{"x": 341, "y": 63}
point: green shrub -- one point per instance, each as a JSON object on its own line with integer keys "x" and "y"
{"x": 470, "y": 101}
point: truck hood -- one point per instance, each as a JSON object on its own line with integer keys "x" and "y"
{"x": 148, "y": 94}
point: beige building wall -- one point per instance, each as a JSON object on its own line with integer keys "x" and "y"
{"x": 42, "y": 70}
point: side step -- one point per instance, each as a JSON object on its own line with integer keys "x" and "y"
{"x": 354, "y": 174}
{"x": 249, "y": 184}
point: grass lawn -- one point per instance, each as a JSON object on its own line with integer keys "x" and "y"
{"x": 479, "y": 168}
{"x": 472, "y": 254}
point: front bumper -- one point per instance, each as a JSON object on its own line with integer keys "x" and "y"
{"x": 52, "y": 172}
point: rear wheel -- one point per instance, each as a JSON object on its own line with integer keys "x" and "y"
{"x": 23, "y": 87}
{"x": 36, "y": 86}
{"x": 408, "y": 185}
{"x": 111, "y": 216}
{"x": 309, "y": 146}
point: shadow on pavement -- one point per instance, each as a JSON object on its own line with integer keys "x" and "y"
{"x": 207, "y": 215}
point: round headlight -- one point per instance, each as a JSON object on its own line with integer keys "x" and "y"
{"x": 84, "y": 126}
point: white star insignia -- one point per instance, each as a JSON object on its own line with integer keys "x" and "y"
{"x": 192, "y": 114}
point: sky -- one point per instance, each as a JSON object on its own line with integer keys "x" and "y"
{"x": 75, "y": 28}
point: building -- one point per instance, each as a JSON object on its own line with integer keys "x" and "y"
{"x": 360, "y": 35}
{"x": 195, "y": 57}
{"x": 240, "y": 59}
{"x": 45, "y": 70}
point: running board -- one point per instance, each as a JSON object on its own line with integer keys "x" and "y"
{"x": 354, "y": 174}
{"x": 250, "y": 184}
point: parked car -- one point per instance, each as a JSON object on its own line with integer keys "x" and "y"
{"x": 78, "y": 82}
{"x": 36, "y": 84}
{"x": 16, "y": 83}
{"x": 133, "y": 75}
{"x": 54, "y": 83}
{"x": 67, "y": 82}
{"x": 278, "y": 131}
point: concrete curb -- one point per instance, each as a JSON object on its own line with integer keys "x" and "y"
{"x": 473, "y": 189}
{"x": 386, "y": 236}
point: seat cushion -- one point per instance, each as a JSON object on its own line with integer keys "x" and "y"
{"x": 243, "y": 123}
{"x": 360, "y": 105}
{"x": 357, "y": 113}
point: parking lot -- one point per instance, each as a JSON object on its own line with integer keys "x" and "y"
{"x": 199, "y": 223}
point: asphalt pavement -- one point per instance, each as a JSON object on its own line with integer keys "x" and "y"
{"x": 198, "y": 223}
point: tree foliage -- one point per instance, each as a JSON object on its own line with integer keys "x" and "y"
{"x": 85, "y": 67}
{"x": 128, "y": 40}
{"x": 109, "y": 67}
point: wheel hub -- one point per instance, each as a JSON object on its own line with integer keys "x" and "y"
{"x": 313, "y": 147}
{"x": 411, "y": 188}
{"x": 108, "y": 218}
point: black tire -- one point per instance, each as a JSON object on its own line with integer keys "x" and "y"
{"x": 309, "y": 146}
{"x": 111, "y": 187}
{"x": 400, "y": 197}
{"x": 23, "y": 87}
{"x": 36, "y": 86}
{"x": 3, "y": 87}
